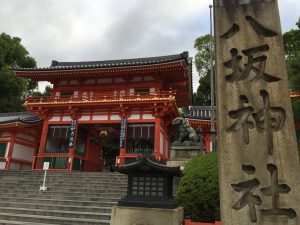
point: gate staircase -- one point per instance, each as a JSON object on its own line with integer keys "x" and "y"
{"x": 72, "y": 198}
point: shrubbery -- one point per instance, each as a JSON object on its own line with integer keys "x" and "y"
{"x": 198, "y": 190}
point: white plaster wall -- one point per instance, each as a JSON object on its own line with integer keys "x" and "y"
{"x": 148, "y": 116}
{"x": 122, "y": 92}
{"x": 161, "y": 140}
{"x": 131, "y": 91}
{"x": 134, "y": 117}
{"x": 115, "y": 117}
{"x": 55, "y": 118}
{"x": 22, "y": 152}
{"x": 152, "y": 90}
{"x": 2, "y": 165}
{"x": 66, "y": 118}
{"x": 100, "y": 117}
{"x": 84, "y": 118}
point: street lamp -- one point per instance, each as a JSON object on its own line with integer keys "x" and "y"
{"x": 212, "y": 96}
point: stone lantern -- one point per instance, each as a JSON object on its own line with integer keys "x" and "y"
{"x": 149, "y": 194}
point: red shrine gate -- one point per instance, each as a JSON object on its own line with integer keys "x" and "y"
{"x": 135, "y": 98}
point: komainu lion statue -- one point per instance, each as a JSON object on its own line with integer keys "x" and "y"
{"x": 187, "y": 135}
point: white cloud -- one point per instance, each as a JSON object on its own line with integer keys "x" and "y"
{"x": 78, "y": 30}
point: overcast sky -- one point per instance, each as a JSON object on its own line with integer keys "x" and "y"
{"x": 79, "y": 30}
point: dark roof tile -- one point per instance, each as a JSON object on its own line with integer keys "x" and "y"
{"x": 55, "y": 65}
{"x": 23, "y": 117}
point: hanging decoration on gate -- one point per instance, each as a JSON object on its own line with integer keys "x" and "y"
{"x": 123, "y": 132}
{"x": 72, "y": 133}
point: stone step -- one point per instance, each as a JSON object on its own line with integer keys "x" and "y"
{"x": 58, "y": 183}
{"x": 87, "y": 191}
{"x": 62, "y": 177}
{"x": 58, "y": 213}
{"x": 10, "y": 222}
{"x": 111, "y": 195}
{"x": 71, "y": 198}
{"x": 51, "y": 174}
{"x": 73, "y": 208}
{"x": 60, "y": 201}
{"x": 60, "y": 196}
{"x": 51, "y": 219}
{"x": 65, "y": 182}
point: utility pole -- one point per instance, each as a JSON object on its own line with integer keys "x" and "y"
{"x": 212, "y": 92}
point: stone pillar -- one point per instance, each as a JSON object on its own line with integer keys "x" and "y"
{"x": 259, "y": 166}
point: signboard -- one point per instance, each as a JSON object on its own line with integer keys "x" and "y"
{"x": 46, "y": 165}
{"x": 123, "y": 132}
{"x": 72, "y": 133}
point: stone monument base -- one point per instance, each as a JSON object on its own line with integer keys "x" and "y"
{"x": 180, "y": 155}
{"x": 146, "y": 216}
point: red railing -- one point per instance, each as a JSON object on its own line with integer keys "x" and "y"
{"x": 38, "y": 162}
{"x": 98, "y": 98}
{"x": 21, "y": 163}
{"x": 57, "y": 161}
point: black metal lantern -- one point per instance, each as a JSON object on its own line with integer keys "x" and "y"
{"x": 150, "y": 184}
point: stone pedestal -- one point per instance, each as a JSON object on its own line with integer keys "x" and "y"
{"x": 146, "y": 216}
{"x": 180, "y": 155}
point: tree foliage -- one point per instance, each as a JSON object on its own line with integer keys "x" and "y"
{"x": 198, "y": 190}
{"x": 202, "y": 96}
{"x": 202, "y": 63}
{"x": 202, "y": 57}
{"x": 13, "y": 89}
{"x": 291, "y": 40}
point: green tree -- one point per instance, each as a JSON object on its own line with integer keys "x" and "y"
{"x": 13, "y": 90}
{"x": 202, "y": 63}
{"x": 202, "y": 96}
{"x": 291, "y": 40}
{"x": 198, "y": 191}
